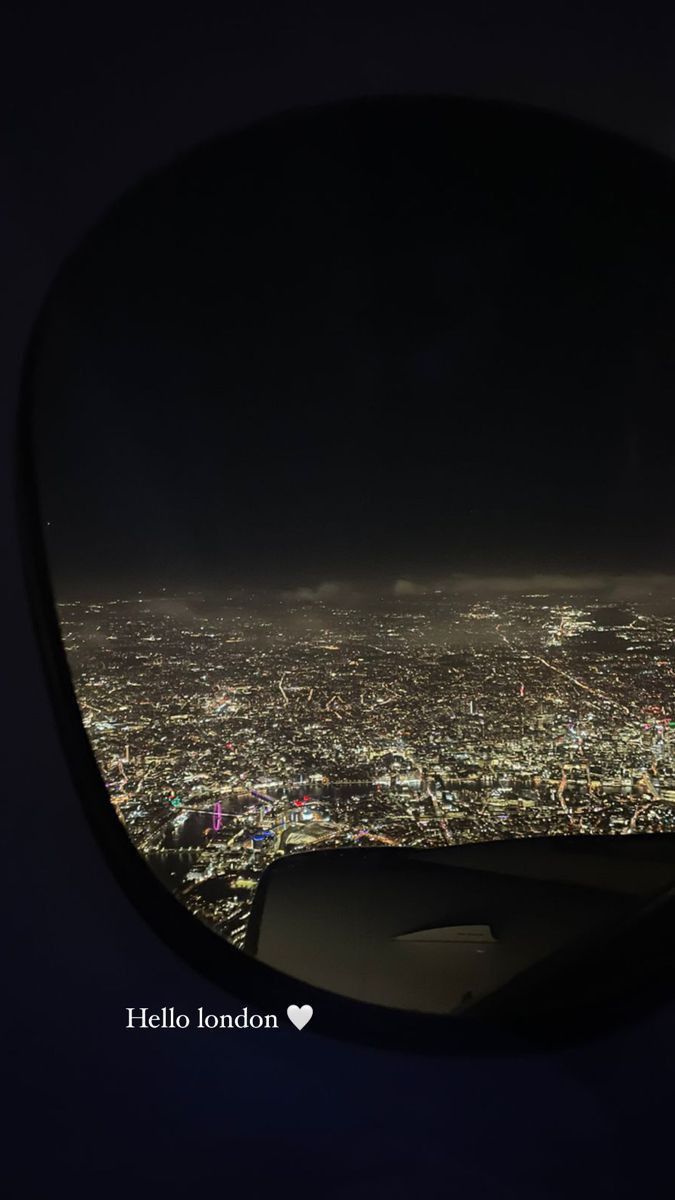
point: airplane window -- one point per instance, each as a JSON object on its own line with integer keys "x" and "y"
{"x": 355, "y": 500}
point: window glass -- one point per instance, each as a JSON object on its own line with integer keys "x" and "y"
{"x": 356, "y": 494}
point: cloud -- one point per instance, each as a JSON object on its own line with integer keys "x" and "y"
{"x": 329, "y": 590}
{"x": 637, "y": 587}
{"x": 406, "y": 587}
{"x": 607, "y": 585}
{"x": 503, "y": 584}
{"x": 603, "y": 585}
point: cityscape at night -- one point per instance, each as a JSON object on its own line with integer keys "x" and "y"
{"x": 231, "y": 733}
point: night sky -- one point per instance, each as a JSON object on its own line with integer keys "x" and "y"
{"x": 389, "y": 339}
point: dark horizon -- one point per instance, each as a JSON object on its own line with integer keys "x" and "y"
{"x": 594, "y": 588}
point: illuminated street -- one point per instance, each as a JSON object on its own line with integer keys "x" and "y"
{"x": 231, "y": 733}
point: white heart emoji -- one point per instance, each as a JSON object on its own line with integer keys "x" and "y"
{"x": 300, "y": 1016}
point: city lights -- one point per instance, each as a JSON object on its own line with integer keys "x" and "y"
{"x": 229, "y": 740}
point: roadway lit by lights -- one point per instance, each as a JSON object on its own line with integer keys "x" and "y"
{"x": 230, "y": 739}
